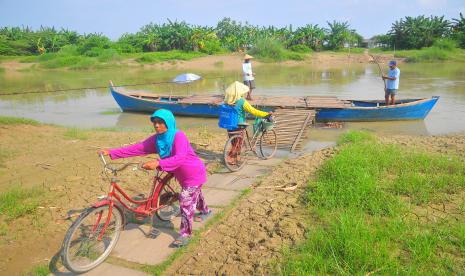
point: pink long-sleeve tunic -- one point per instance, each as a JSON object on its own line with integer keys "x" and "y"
{"x": 185, "y": 165}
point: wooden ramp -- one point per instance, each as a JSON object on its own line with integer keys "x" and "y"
{"x": 291, "y": 126}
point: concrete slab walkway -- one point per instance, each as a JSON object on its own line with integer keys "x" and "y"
{"x": 134, "y": 245}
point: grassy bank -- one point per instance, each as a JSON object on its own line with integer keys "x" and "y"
{"x": 69, "y": 57}
{"x": 5, "y": 120}
{"x": 442, "y": 50}
{"x": 383, "y": 209}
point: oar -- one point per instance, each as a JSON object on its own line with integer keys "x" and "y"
{"x": 380, "y": 71}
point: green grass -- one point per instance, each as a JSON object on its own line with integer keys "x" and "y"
{"x": 76, "y": 134}
{"x": 69, "y": 57}
{"x": 442, "y": 50}
{"x": 41, "y": 270}
{"x": 363, "y": 204}
{"x": 19, "y": 201}
{"x": 155, "y": 57}
{"x": 2, "y": 70}
{"x": 5, "y": 120}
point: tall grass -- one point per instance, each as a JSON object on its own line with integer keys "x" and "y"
{"x": 364, "y": 200}
{"x": 19, "y": 201}
{"x": 269, "y": 50}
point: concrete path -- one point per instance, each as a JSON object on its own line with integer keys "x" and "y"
{"x": 134, "y": 246}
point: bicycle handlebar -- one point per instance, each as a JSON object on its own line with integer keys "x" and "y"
{"x": 114, "y": 169}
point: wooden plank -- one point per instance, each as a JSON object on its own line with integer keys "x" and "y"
{"x": 301, "y": 131}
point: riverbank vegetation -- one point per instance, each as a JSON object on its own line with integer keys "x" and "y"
{"x": 153, "y": 43}
{"x": 379, "y": 208}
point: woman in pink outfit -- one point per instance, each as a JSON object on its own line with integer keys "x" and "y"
{"x": 178, "y": 158}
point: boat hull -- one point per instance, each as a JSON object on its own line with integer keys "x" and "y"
{"x": 414, "y": 110}
{"x": 128, "y": 103}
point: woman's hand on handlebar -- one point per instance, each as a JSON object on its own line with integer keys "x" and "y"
{"x": 104, "y": 152}
{"x": 269, "y": 117}
{"x": 151, "y": 165}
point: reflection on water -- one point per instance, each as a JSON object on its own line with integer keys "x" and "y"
{"x": 96, "y": 108}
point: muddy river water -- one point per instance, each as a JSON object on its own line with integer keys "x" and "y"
{"x": 92, "y": 108}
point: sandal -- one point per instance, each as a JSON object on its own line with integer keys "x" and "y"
{"x": 180, "y": 242}
{"x": 202, "y": 217}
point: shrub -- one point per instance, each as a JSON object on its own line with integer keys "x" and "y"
{"x": 211, "y": 47}
{"x": 299, "y": 48}
{"x": 445, "y": 44}
{"x": 269, "y": 49}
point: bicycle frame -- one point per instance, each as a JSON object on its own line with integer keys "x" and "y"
{"x": 150, "y": 204}
{"x": 252, "y": 142}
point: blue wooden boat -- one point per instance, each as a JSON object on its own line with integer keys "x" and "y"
{"x": 405, "y": 109}
{"x": 139, "y": 101}
{"x": 328, "y": 108}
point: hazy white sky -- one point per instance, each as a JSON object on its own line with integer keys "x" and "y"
{"x": 115, "y": 17}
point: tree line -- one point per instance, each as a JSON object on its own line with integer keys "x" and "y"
{"x": 231, "y": 35}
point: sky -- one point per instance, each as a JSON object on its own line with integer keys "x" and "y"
{"x": 116, "y": 17}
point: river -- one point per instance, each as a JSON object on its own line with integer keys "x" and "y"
{"x": 95, "y": 108}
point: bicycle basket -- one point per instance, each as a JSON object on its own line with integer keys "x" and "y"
{"x": 267, "y": 125}
{"x": 262, "y": 125}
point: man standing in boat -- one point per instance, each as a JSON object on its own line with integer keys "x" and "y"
{"x": 392, "y": 84}
{"x": 248, "y": 75}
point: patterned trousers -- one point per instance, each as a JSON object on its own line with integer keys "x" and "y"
{"x": 190, "y": 198}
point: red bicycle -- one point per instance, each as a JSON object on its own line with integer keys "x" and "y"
{"x": 94, "y": 234}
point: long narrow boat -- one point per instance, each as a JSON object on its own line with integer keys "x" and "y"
{"x": 404, "y": 109}
{"x": 328, "y": 108}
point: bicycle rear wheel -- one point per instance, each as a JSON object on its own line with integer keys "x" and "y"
{"x": 235, "y": 153}
{"x": 82, "y": 248}
{"x": 168, "y": 202}
{"x": 268, "y": 144}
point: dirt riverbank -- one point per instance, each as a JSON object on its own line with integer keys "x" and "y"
{"x": 232, "y": 61}
{"x": 64, "y": 166}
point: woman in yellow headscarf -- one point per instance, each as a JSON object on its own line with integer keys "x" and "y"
{"x": 234, "y": 96}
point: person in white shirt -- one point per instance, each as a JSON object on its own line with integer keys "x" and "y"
{"x": 248, "y": 75}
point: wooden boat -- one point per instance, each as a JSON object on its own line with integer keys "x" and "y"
{"x": 328, "y": 108}
{"x": 208, "y": 105}
{"x": 404, "y": 109}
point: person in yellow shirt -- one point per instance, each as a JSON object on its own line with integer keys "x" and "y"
{"x": 234, "y": 96}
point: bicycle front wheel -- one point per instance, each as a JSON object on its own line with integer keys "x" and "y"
{"x": 235, "y": 153}
{"x": 168, "y": 202}
{"x": 268, "y": 144}
{"x": 84, "y": 246}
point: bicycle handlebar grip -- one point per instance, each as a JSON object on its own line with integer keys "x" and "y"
{"x": 102, "y": 158}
